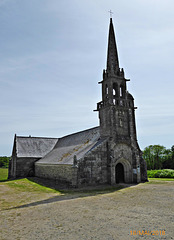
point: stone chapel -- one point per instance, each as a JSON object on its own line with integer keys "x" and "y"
{"x": 107, "y": 154}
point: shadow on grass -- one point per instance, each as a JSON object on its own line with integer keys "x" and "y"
{"x": 8, "y": 180}
{"x": 71, "y": 193}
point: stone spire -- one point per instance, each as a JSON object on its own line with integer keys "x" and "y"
{"x": 112, "y": 58}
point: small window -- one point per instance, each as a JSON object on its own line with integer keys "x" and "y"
{"x": 115, "y": 89}
{"x": 121, "y": 122}
{"x": 121, "y": 92}
{"x": 106, "y": 89}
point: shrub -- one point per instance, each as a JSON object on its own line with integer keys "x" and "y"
{"x": 164, "y": 173}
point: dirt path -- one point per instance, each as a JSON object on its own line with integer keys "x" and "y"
{"x": 109, "y": 216}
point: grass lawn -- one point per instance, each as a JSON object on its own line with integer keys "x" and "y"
{"x": 160, "y": 179}
{"x": 3, "y": 174}
{"x": 14, "y": 193}
{"x": 20, "y": 192}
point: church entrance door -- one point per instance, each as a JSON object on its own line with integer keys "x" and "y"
{"x": 119, "y": 173}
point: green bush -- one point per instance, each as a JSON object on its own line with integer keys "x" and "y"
{"x": 164, "y": 173}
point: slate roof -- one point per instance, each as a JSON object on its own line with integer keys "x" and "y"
{"x": 34, "y": 147}
{"x": 75, "y": 144}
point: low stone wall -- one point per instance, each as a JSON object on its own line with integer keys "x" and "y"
{"x": 62, "y": 173}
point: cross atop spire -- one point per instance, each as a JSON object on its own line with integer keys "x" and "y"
{"x": 110, "y": 13}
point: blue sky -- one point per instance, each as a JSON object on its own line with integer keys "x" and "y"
{"x": 52, "y": 54}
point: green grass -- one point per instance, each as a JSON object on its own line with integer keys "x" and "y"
{"x": 161, "y": 179}
{"x": 26, "y": 191}
{"x": 3, "y": 174}
{"x": 19, "y": 192}
{"x": 26, "y": 185}
{"x": 164, "y": 173}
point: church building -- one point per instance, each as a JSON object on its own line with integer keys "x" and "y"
{"x": 107, "y": 154}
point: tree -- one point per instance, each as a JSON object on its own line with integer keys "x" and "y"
{"x": 172, "y": 157}
{"x": 4, "y": 161}
{"x": 148, "y": 157}
{"x": 154, "y": 156}
{"x": 159, "y": 155}
{"x": 167, "y": 162}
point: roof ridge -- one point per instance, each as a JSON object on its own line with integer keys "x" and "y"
{"x": 36, "y": 137}
{"x": 79, "y": 132}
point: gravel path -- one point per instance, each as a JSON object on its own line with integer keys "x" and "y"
{"x": 119, "y": 215}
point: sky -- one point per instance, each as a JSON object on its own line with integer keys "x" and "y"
{"x": 52, "y": 55}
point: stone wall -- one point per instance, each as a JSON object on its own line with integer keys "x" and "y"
{"x": 62, "y": 173}
{"x": 92, "y": 169}
{"x": 98, "y": 166}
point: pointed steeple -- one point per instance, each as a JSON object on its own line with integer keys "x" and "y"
{"x": 112, "y": 58}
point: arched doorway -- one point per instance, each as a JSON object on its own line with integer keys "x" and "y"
{"x": 119, "y": 173}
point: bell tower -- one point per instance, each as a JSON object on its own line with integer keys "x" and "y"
{"x": 116, "y": 110}
{"x": 117, "y": 122}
